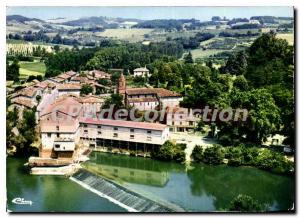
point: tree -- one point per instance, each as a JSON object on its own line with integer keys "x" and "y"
{"x": 170, "y": 151}
{"x": 236, "y": 64}
{"x": 263, "y": 117}
{"x": 86, "y": 89}
{"x": 38, "y": 98}
{"x": 27, "y": 133}
{"x": 197, "y": 153}
{"x": 241, "y": 83}
{"x": 213, "y": 155}
{"x": 269, "y": 61}
{"x": 245, "y": 203}
{"x": 12, "y": 71}
{"x": 114, "y": 99}
{"x": 188, "y": 59}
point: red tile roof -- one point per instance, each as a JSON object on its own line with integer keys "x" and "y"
{"x": 65, "y": 105}
{"x": 91, "y": 99}
{"x": 23, "y": 102}
{"x": 99, "y": 74}
{"x": 64, "y": 76}
{"x": 160, "y": 92}
{"x": 57, "y": 79}
{"x": 71, "y": 73}
{"x": 69, "y": 86}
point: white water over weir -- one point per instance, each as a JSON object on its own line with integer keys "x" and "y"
{"x": 131, "y": 201}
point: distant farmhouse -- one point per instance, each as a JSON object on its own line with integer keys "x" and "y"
{"x": 142, "y": 72}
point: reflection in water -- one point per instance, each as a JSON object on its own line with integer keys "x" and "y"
{"x": 132, "y": 170}
{"x": 224, "y": 183}
{"x": 199, "y": 188}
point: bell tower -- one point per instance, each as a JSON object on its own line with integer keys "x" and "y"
{"x": 122, "y": 84}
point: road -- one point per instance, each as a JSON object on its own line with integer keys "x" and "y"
{"x": 191, "y": 140}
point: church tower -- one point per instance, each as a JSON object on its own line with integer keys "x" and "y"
{"x": 122, "y": 85}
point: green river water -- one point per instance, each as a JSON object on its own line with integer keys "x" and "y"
{"x": 198, "y": 188}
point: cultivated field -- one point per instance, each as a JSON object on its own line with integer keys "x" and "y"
{"x": 131, "y": 35}
{"x": 31, "y": 68}
{"x": 287, "y": 36}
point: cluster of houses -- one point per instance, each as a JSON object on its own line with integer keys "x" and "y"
{"x": 67, "y": 119}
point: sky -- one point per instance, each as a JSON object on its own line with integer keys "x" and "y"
{"x": 147, "y": 13}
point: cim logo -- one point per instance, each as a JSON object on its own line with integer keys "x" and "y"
{"x": 21, "y": 201}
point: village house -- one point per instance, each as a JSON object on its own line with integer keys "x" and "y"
{"x": 57, "y": 80}
{"x": 59, "y": 128}
{"x": 92, "y": 103}
{"x": 142, "y": 72}
{"x": 152, "y": 98}
{"x": 143, "y": 104}
{"x": 22, "y": 103}
{"x": 181, "y": 120}
{"x": 148, "y": 98}
{"x": 97, "y": 74}
{"x": 69, "y": 88}
{"x": 25, "y": 98}
{"x": 79, "y": 79}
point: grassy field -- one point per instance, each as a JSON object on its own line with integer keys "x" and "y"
{"x": 199, "y": 53}
{"x": 131, "y": 35}
{"x": 31, "y": 68}
{"x": 287, "y": 36}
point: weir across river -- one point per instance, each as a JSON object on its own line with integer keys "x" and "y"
{"x": 131, "y": 201}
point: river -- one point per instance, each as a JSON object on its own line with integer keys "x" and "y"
{"x": 197, "y": 188}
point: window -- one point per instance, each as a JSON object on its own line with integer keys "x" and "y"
{"x": 57, "y": 128}
{"x": 131, "y": 130}
{"x": 85, "y": 131}
{"x": 99, "y": 132}
{"x": 57, "y": 135}
{"x": 49, "y": 135}
{"x": 180, "y": 123}
{"x": 191, "y": 123}
{"x": 57, "y": 146}
{"x": 115, "y": 135}
{"x": 99, "y": 127}
{"x": 116, "y": 128}
{"x": 85, "y": 125}
{"x": 173, "y": 123}
{"x": 149, "y": 131}
{"x": 149, "y": 138}
{"x": 131, "y": 136}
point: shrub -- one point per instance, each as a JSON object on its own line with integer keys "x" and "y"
{"x": 237, "y": 158}
{"x": 170, "y": 151}
{"x": 245, "y": 203}
{"x": 213, "y": 155}
{"x": 197, "y": 153}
